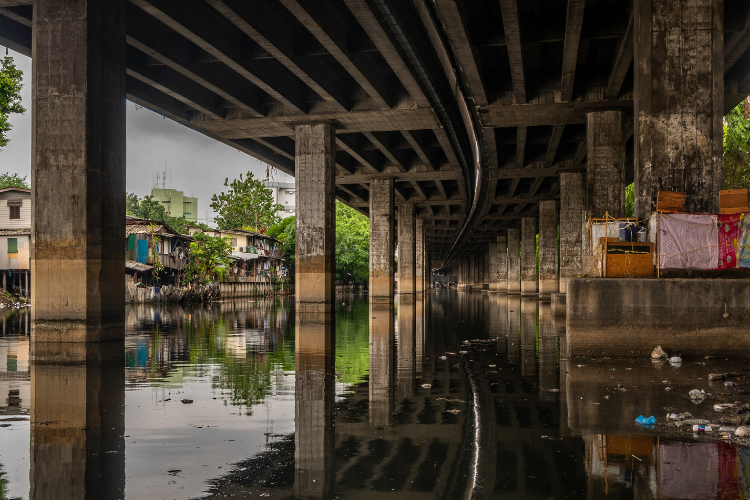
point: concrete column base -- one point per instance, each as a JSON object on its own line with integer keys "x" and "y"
{"x": 548, "y": 287}
{"x": 514, "y": 288}
{"x": 528, "y": 288}
{"x": 77, "y": 331}
{"x": 629, "y": 317}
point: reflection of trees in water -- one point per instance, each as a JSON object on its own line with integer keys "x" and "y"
{"x": 244, "y": 350}
{"x": 243, "y": 347}
{"x": 4, "y": 486}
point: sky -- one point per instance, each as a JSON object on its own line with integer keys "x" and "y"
{"x": 198, "y": 164}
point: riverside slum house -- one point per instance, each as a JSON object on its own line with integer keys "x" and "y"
{"x": 257, "y": 257}
{"x": 15, "y": 235}
{"x": 172, "y": 250}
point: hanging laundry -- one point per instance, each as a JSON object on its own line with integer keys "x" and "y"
{"x": 729, "y": 235}
{"x": 743, "y": 252}
{"x": 688, "y": 241}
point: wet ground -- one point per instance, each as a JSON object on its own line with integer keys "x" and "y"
{"x": 455, "y": 396}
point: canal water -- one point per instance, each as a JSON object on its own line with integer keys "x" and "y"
{"x": 456, "y": 395}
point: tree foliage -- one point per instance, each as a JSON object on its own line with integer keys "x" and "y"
{"x": 630, "y": 200}
{"x": 285, "y": 231}
{"x": 737, "y": 147}
{"x": 247, "y": 204}
{"x": 11, "y": 79}
{"x": 352, "y": 244}
{"x": 149, "y": 208}
{"x": 209, "y": 257}
{"x": 8, "y": 180}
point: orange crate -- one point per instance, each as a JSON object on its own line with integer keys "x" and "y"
{"x": 670, "y": 201}
{"x": 733, "y": 201}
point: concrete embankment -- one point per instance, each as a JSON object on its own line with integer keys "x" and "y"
{"x": 629, "y": 317}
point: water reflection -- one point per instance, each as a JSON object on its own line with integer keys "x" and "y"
{"x": 77, "y": 421}
{"x": 447, "y": 396}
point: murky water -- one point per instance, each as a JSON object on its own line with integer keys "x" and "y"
{"x": 454, "y": 396}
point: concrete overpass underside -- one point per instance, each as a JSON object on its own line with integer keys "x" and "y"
{"x": 475, "y": 109}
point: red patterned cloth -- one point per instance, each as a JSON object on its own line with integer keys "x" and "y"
{"x": 729, "y": 234}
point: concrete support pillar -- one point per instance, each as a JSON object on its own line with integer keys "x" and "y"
{"x": 679, "y": 100}
{"x": 549, "y": 281}
{"x": 529, "y": 278}
{"x": 382, "y": 337}
{"x": 78, "y": 171}
{"x": 572, "y": 212}
{"x": 406, "y": 248}
{"x": 381, "y": 240}
{"x": 472, "y": 270}
{"x": 315, "y": 387}
{"x": 492, "y": 247}
{"x": 486, "y": 264}
{"x": 605, "y": 163}
{"x": 514, "y": 261}
{"x": 77, "y": 420}
{"x": 315, "y": 198}
{"x": 502, "y": 264}
{"x": 419, "y": 257}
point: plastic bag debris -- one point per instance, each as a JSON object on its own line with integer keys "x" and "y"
{"x": 697, "y": 396}
{"x": 730, "y": 384}
{"x": 742, "y": 431}
{"x": 716, "y": 376}
{"x": 675, "y": 360}
{"x": 658, "y": 353}
{"x": 641, "y": 420}
{"x": 426, "y": 386}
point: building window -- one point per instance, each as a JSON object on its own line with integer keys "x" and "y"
{"x": 14, "y": 207}
{"x": 234, "y": 242}
{"x": 12, "y": 245}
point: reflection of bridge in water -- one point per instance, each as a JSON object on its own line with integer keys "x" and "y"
{"x": 500, "y": 416}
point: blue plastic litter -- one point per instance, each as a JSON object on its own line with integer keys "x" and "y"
{"x": 641, "y": 420}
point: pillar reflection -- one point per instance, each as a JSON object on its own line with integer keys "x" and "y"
{"x": 514, "y": 328}
{"x": 528, "y": 336}
{"x": 381, "y": 365}
{"x": 419, "y": 324}
{"x": 77, "y": 420}
{"x": 548, "y": 371}
{"x": 407, "y": 371}
{"x": 313, "y": 405}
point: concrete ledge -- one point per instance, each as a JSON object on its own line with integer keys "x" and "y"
{"x": 629, "y": 317}
{"x": 558, "y": 304}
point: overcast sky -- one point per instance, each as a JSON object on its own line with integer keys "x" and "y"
{"x": 198, "y": 164}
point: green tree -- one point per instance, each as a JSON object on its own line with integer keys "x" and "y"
{"x": 630, "y": 200}
{"x": 737, "y": 147}
{"x": 8, "y": 180}
{"x": 352, "y": 243}
{"x": 247, "y": 204}
{"x": 10, "y": 96}
{"x": 285, "y": 231}
{"x": 208, "y": 256}
{"x": 149, "y": 208}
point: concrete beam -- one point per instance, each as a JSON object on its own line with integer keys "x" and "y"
{"x": 514, "y": 261}
{"x": 529, "y": 278}
{"x": 381, "y": 240}
{"x": 78, "y": 167}
{"x": 679, "y": 103}
{"x": 406, "y": 249}
{"x": 554, "y": 113}
{"x": 572, "y": 211}
{"x": 605, "y": 163}
{"x": 573, "y": 26}
{"x": 512, "y": 26}
{"x": 549, "y": 280}
{"x": 315, "y": 259}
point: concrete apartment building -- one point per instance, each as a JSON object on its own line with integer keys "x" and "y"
{"x": 176, "y": 203}
{"x": 283, "y": 193}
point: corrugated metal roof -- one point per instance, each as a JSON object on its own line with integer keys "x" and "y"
{"x": 15, "y": 232}
{"x": 137, "y": 266}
